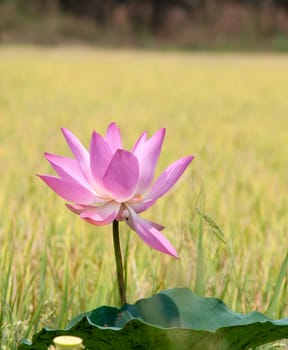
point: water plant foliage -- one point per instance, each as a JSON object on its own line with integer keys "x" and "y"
{"x": 171, "y": 319}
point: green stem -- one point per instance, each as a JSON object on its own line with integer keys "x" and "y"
{"x": 119, "y": 265}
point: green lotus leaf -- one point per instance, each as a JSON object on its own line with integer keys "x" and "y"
{"x": 170, "y": 320}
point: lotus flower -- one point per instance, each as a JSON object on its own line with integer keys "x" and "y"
{"x": 110, "y": 183}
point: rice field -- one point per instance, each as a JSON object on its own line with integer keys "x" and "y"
{"x": 229, "y": 110}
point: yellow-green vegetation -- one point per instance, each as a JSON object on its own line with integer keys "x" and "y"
{"x": 230, "y": 111}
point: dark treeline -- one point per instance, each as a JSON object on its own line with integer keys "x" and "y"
{"x": 185, "y": 23}
{"x": 152, "y": 13}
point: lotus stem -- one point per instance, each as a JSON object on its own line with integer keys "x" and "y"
{"x": 119, "y": 264}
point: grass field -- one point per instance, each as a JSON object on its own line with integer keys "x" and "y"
{"x": 230, "y": 111}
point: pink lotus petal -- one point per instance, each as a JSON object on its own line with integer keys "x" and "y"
{"x": 69, "y": 190}
{"x": 140, "y": 141}
{"x": 150, "y": 234}
{"x": 154, "y": 224}
{"x": 113, "y": 137}
{"x": 122, "y": 175}
{"x": 79, "y": 208}
{"x": 142, "y": 205}
{"x": 81, "y": 154}
{"x": 147, "y": 154}
{"x": 101, "y": 215}
{"x": 76, "y": 208}
{"x": 168, "y": 178}
{"x": 100, "y": 157}
{"x": 67, "y": 168}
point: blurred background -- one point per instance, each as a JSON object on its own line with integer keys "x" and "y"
{"x": 145, "y": 65}
{"x": 185, "y": 24}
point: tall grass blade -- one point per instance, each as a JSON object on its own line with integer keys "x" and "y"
{"x": 125, "y": 262}
{"x": 200, "y": 263}
{"x": 5, "y": 288}
{"x": 216, "y": 230}
{"x": 65, "y": 297}
{"x": 272, "y": 309}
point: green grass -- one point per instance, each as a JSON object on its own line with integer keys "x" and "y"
{"x": 230, "y": 111}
